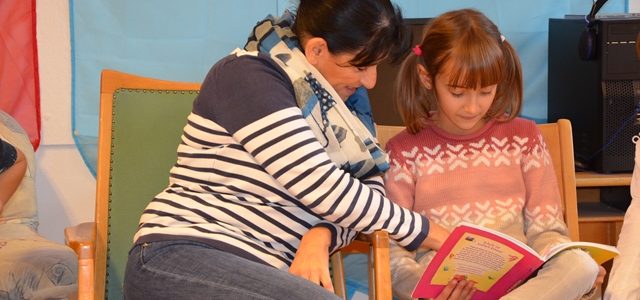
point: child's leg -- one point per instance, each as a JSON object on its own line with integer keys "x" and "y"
{"x": 406, "y": 270}
{"x": 568, "y": 275}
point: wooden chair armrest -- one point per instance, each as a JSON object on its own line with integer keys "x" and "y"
{"x": 381, "y": 265}
{"x": 363, "y": 241}
{"x": 82, "y": 239}
{"x": 380, "y": 239}
{"x": 376, "y": 246}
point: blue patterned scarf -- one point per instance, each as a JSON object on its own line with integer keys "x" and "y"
{"x": 348, "y": 142}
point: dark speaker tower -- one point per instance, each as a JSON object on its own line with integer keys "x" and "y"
{"x": 381, "y": 96}
{"x": 601, "y": 95}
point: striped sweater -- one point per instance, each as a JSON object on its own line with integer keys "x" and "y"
{"x": 251, "y": 178}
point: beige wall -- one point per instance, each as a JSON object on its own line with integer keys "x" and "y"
{"x": 64, "y": 186}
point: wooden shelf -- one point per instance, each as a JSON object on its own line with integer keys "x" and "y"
{"x": 593, "y": 179}
{"x": 598, "y": 212}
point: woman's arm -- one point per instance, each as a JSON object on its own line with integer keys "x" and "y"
{"x": 400, "y": 186}
{"x": 272, "y": 129}
{"x": 12, "y": 173}
{"x": 311, "y": 260}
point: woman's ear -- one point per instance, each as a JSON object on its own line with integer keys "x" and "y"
{"x": 424, "y": 77}
{"x": 314, "y": 49}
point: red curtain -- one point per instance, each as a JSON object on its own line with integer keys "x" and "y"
{"x": 19, "y": 87}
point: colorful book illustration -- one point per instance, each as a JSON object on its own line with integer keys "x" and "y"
{"x": 495, "y": 261}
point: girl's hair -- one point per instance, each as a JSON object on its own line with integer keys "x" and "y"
{"x": 374, "y": 29}
{"x": 469, "y": 47}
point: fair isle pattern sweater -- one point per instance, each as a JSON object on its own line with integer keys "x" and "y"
{"x": 252, "y": 179}
{"x": 501, "y": 177}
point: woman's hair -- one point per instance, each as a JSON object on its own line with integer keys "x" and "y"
{"x": 470, "y": 48}
{"x": 373, "y": 29}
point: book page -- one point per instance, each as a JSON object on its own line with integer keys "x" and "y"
{"x": 481, "y": 259}
{"x": 599, "y": 252}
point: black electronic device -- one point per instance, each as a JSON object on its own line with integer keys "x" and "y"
{"x": 587, "y": 47}
{"x": 601, "y": 95}
{"x": 381, "y": 96}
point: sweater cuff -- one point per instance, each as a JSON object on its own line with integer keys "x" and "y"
{"x": 422, "y": 235}
{"x": 334, "y": 234}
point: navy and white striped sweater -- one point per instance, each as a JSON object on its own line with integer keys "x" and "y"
{"x": 251, "y": 178}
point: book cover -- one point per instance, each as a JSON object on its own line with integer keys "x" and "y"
{"x": 495, "y": 261}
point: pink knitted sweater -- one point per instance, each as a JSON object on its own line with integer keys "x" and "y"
{"x": 500, "y": 177}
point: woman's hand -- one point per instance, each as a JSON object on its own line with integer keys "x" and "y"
{"x": 437, "y": 236}
{"x": 457, "y": 290}
{"x": 312, "y": 258}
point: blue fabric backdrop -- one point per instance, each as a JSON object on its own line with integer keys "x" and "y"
{"x": 180, "y": 40}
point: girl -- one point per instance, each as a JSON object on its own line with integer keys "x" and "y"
{"x": 465, "y": 156}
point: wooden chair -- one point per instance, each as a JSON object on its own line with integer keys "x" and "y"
{"x": 141, "y": 120}
{"x": 376, "y": 245}
{"x": 559, "y": 140}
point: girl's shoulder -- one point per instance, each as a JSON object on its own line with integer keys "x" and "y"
{"x": 518, "y": 126}
{"x": 401, "y": 140}
{"x": 406, "y": 141}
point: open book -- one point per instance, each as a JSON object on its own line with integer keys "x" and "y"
{"x": 494, "y": 260}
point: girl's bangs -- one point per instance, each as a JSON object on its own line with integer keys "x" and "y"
{"x": 475, "y": 68}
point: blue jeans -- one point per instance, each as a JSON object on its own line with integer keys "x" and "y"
{"x": 183, "y": 269}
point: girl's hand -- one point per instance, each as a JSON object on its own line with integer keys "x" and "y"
{"x": 312, "y": 258}
{"x": 457, "y": 290}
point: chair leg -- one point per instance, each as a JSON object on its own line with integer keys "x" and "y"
{"x": 339, "y": 281}
{"x": 371, "y": 261}
{"x": 381, "y": 281}
{"x": 85, "y": 281}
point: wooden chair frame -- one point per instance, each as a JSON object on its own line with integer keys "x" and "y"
{"x": 89, "y": 240}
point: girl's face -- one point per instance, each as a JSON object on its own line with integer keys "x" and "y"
{"x": 461, "y": 110}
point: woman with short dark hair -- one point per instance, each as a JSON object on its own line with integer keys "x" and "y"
{"x": 278, "y": 166}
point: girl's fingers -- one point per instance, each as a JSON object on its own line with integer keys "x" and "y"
{"x": 448, "y": 289}
{"x": 468, "y": 290}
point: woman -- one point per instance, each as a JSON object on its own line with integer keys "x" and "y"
{"x": 274, "y": 172}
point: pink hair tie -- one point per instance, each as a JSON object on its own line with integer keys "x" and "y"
{"x": 417, "y": 50}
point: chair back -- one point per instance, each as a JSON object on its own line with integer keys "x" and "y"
{"x": 141, "y": 121}
{"x": 385, "y": 132}
{"x": 559, "y": 140}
